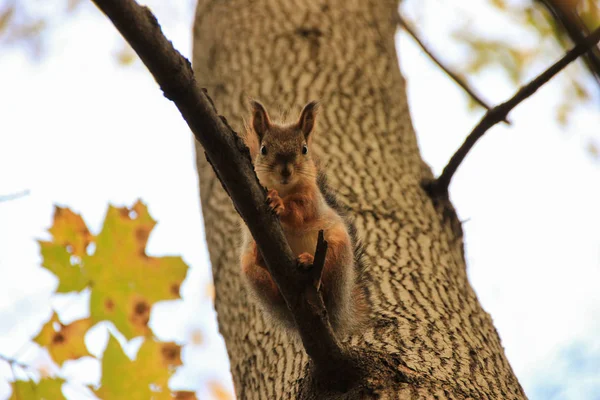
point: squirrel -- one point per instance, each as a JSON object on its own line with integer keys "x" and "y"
{"x": 298, "y": 193}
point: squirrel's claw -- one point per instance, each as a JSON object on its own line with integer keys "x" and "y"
{"x": 275, "y": 202}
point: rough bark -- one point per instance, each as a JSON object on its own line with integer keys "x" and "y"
{"x": 426, "y": 322}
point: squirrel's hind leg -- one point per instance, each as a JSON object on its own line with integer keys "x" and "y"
{"x": 263, "y": 288}
{"x": 338, "y": 278}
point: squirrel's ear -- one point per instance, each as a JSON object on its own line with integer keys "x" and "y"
{"x": 306, "y": 122}
{"x": 260, "y": 119}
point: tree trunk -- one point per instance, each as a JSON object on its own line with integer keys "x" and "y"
{"x": 425, "y": 320}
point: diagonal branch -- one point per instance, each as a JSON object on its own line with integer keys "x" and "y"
{"x": 453, "y": 75}
{"x": 230, "y": 159}
{"x": 576, "y": 30}
{"x": 439, "y": 186}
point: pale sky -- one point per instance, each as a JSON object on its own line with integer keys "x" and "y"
{"x": 80, "y": 131}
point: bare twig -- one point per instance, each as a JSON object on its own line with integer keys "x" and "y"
{"x": 576, "y": 30}
{"x": 14, "y": 196}
{"x": 14, "y": 363}
{"x": 440, "y": 185}
{"x": 230, "y": 159}
{"x": 14, "y": 375}
{"x": 453, "y": 75}
{"x": 319, "y": 261}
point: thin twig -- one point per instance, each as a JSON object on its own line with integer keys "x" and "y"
{"x": 14, "y": 374}
{"x": 230, "y": 159}
{"x": 14, "y": 196}
{"x": 453, "y": 75}
{"x": 14, "y": 363}
{"x": 440, "y": 185}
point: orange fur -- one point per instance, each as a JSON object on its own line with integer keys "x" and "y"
{"x": 275, "y": 202}
{"x": 251, "y": 140}
{"x": 300, "y": 207}
{"x": 306, "y": 259}
{"x": 255, "y": 270}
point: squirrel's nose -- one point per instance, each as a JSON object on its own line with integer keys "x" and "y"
{"x": 286, "y": 172}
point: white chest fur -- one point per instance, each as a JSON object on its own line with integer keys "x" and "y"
{"x": 306, "y": 242}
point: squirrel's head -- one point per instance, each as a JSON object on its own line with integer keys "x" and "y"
{"x": 283, "y": 157}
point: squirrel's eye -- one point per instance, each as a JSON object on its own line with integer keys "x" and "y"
{"x": 304, "y": 149}
{"x": 263, "y": 150}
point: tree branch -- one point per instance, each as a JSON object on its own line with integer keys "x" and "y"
{"x": 440, "y": 185}
{"x": 453, "y": 75}
{"x": 230, "y": 159}
{"x": 576, "y": 30}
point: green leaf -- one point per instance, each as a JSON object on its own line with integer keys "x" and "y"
{"x": 57, "y": 260}
{"x": 45, "y": 389}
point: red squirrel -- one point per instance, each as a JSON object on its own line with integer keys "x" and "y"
{"x": 297, "y": 192}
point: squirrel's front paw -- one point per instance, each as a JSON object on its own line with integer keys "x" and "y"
{"x": 305, "y": 260}
{"x": 275, "y": 202}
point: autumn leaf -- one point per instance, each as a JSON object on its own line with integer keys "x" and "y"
{"x": 61, "y": 256}
{"x": 57, "y": 260}
{"x": 501, "y": 4}
{"x": 146, "y": 377}
{"x": 219, "y": 392}
{"x": 64, "y": 342}
{"x": 593, "y": 150}
{"x": 126, "y": 56}
{"x": 210, "y": 291}
{"x": 183, "y": 395}
{"x": 45, "y": 389}
{"x": 72, "y": 5}
{"x": 125, "y": 282}
{"x": 69, "y": 230}
{"x": 6, "y": 16}
{"x": 197, "y": 338}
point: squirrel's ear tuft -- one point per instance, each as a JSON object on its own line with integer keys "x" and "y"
{"x": 306, "y": 122}
{"x": 260, "y": 119}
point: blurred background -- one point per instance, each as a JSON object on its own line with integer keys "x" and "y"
{"x": 84, "y": 125}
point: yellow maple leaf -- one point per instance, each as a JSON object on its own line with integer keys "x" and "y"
{"x": 69, "y": 230}
{"x": 64, "y": 342}
{"x": 146, "y": 377}
{"x": 219, "y": 392}
{"x": 125, "y": 282}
